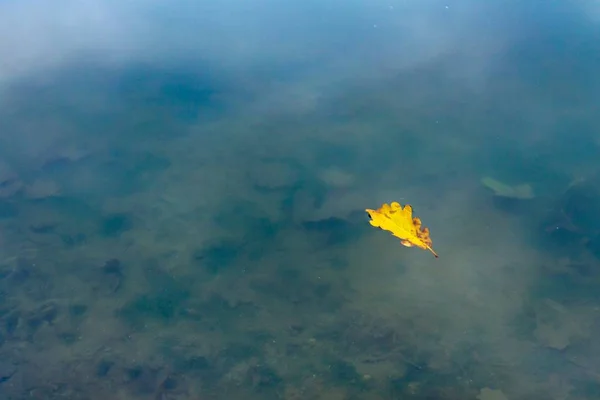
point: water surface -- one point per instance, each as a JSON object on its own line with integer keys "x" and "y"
{"x": 182, "y": 195}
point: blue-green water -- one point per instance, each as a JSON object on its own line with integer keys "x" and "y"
{"x": 183, "y": 186}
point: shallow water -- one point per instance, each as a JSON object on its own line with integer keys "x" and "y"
{"x": 183, "y": 186}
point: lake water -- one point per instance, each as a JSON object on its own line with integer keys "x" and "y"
{"x": 183, "y": 188}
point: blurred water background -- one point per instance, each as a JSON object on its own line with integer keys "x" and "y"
{"x": 183, "y": 186}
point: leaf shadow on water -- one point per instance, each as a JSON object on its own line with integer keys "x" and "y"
{"x": 334, "y": 231}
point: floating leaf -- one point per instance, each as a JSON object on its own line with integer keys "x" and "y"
{"x": 400, "y": 222}
{"x": 523, "y": 191}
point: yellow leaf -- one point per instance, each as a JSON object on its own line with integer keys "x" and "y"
{"x": 399, "y": 221}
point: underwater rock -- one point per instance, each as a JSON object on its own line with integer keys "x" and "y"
{"x": 580, "y": 206}
{"x": 336, "y": 178}
{"x": 342, "y": 156}
{"x": 63, "y": 156}
{"x": 77, "y": 310}
{"x": 116, "y": 224}
{"x": 103, "y": 368}
{"x": 41, "y": 189}
{"x": 262, "y": 376}
{"x": 166, "y": 300}
{"x": 500, "y": 189}
{"x": 273, "y": 175}
{"x": 19, "y": 273}
{"x": 218, "y": 256}
{"x": 296, "y": 328}
{"x": 68, "y": 338}
{"x": 112, "y": 271}
{"x": 43, "y": 228}
{"x": 144, "y": 379}
{"x": 113, "y": 267}
{"x": 344, "y": 373}
{"x": 10, "y": 184}
{"x": 45, "y": 313}
{"x": 193, "y": 363}
{"x": 557, "y": 325}
{"x": 7, "y": 371}
{"x": 574, "y": 221}
{"x": 302, "y": 202}
{"x": 491, "y": 394}
{"x": 11, "y": 322}
{"x": 8, "y": 209}
{"x": 577, "y": 209}
{"x": 44, "y": 220}
{"x": 73, "y": 240}
{"x": 254, "y": 228}
{"x": 594, "y": 246}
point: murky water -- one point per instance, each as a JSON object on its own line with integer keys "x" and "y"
{"x": 183, "y": 190}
